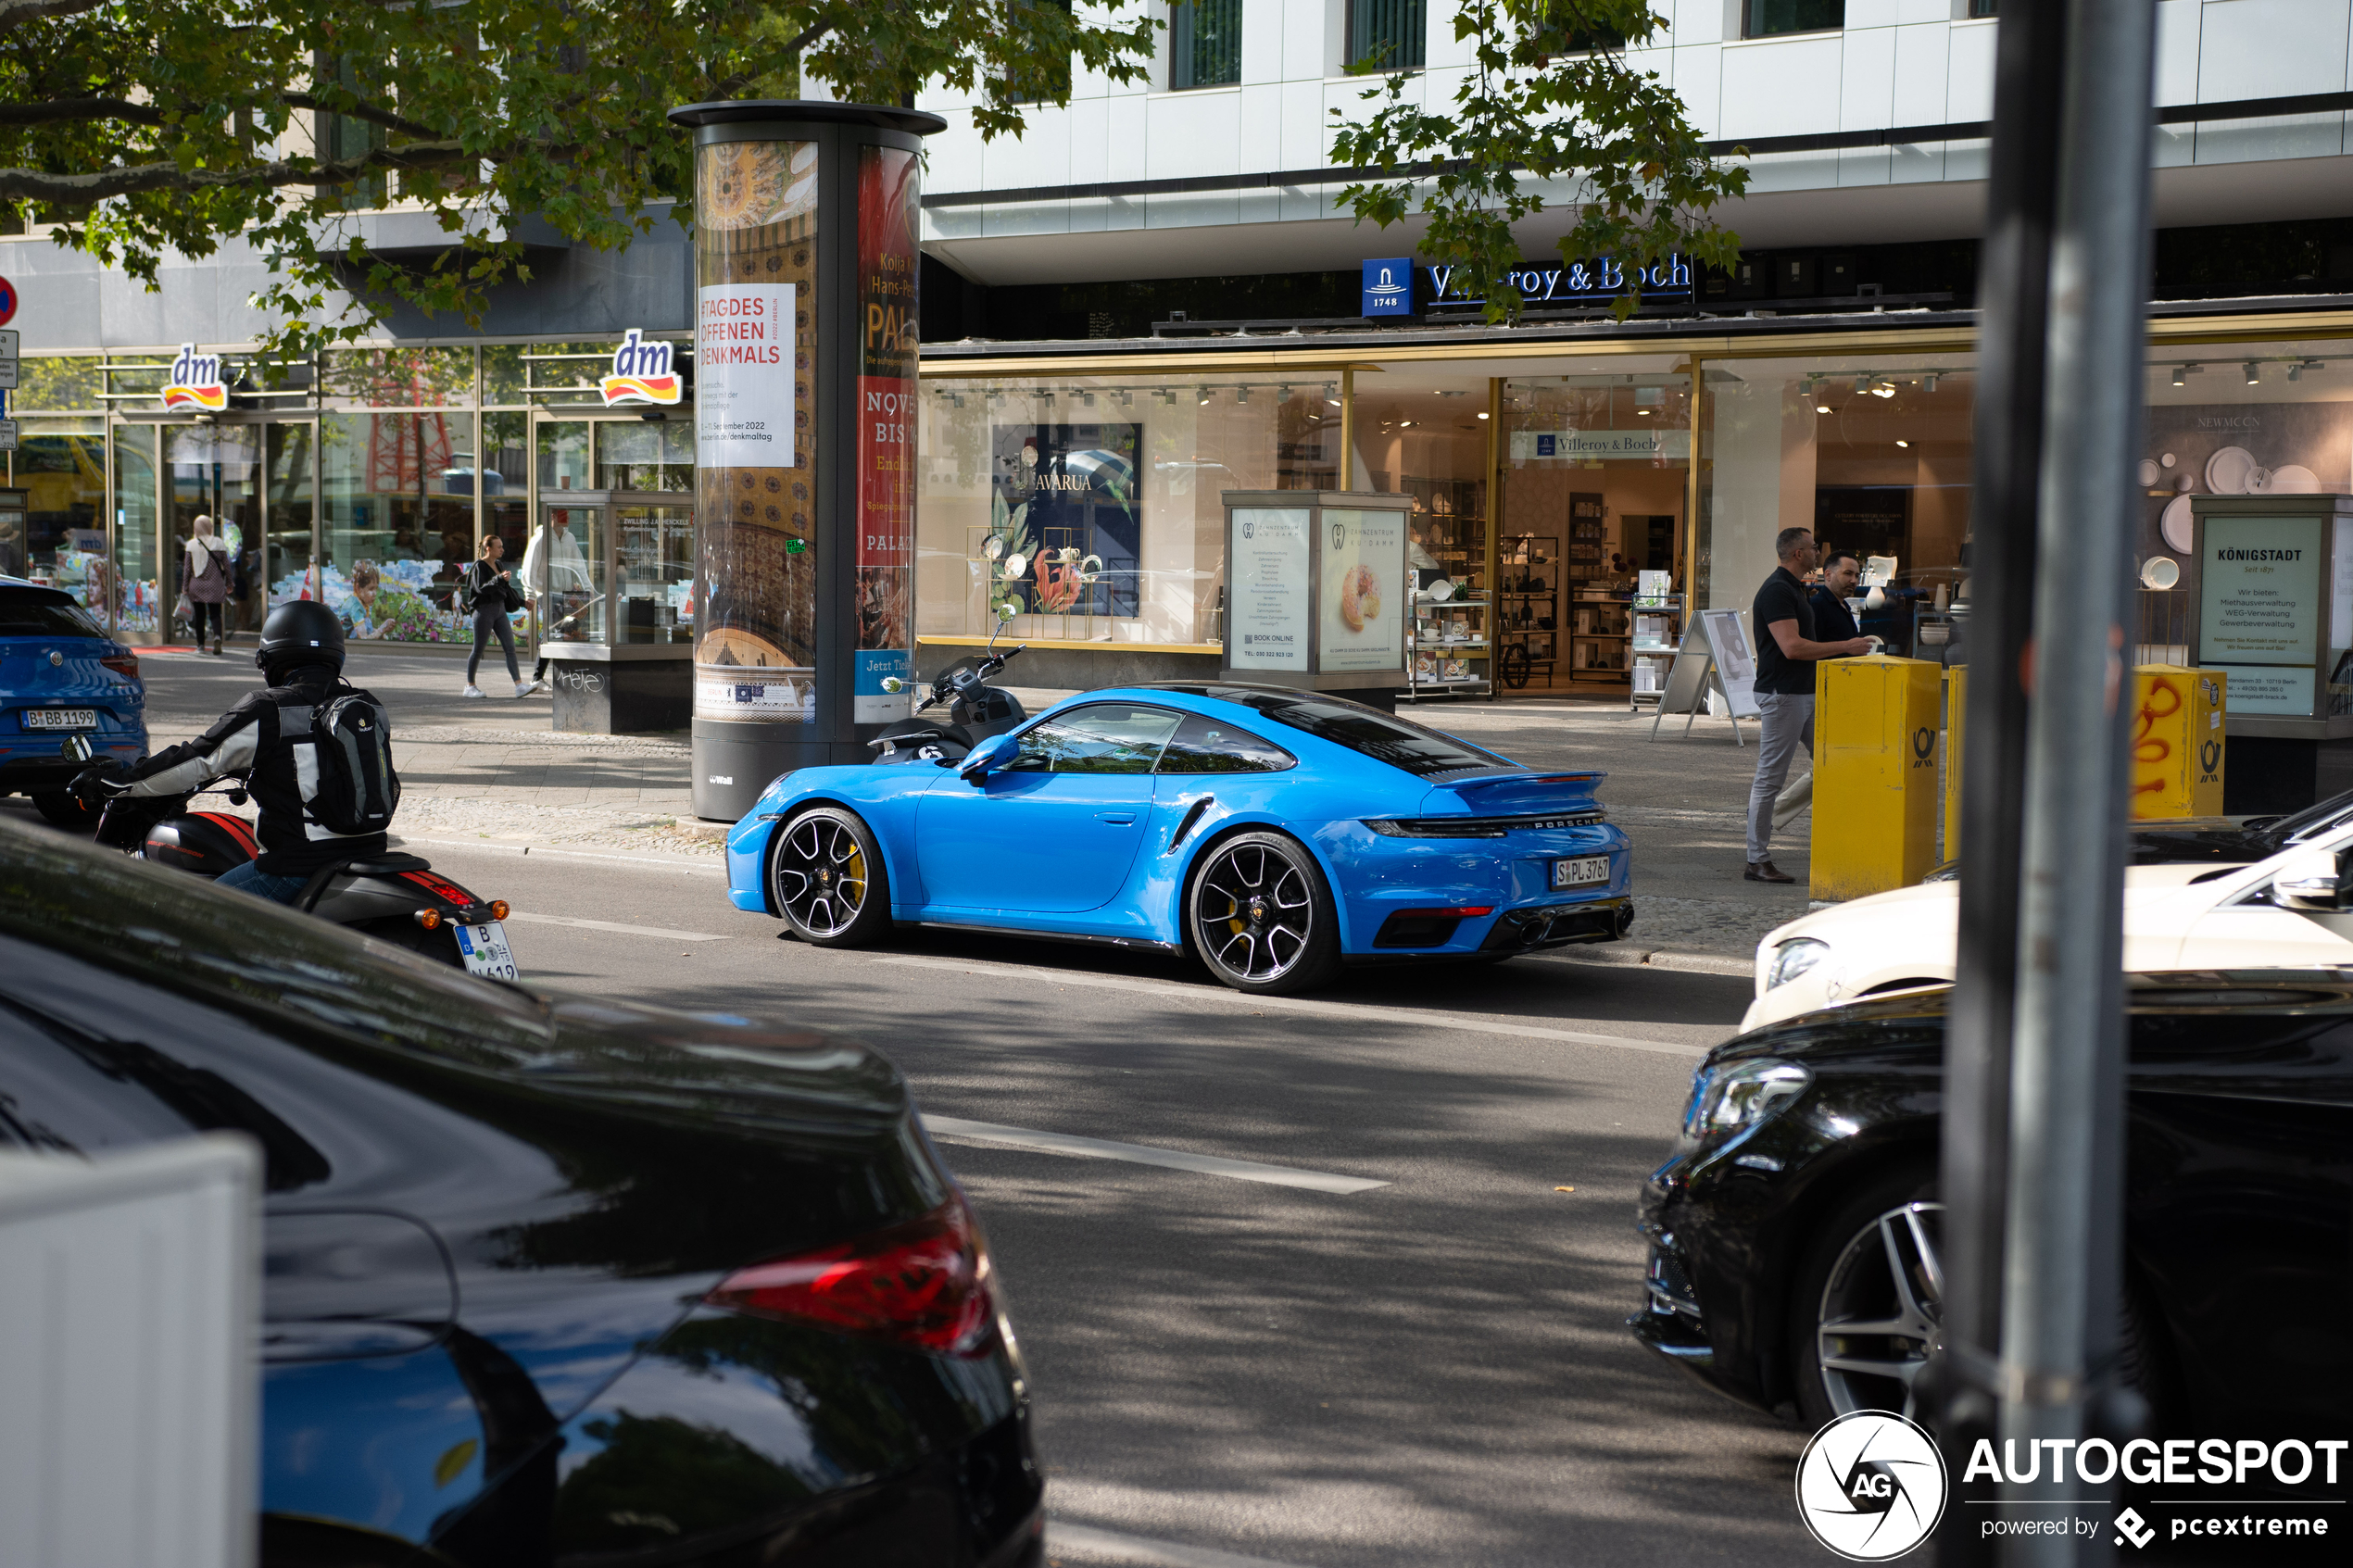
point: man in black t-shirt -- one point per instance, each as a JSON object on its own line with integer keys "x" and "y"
{"x": 1786, "y": 652}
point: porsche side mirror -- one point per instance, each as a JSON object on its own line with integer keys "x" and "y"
{"x": 2314, "y": 880}
{"x": 989, "y": 753}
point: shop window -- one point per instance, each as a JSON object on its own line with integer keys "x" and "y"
{"x": 397, "y": 378}
{"x": 395, "y": 538}
{"x": 1770, "y": 19}
{"x": 289, "y": 482}
{"x": 645, "y": 454}
{"x": 1425, "y": 434}
{"x": 1205, "y": 44}
{"x": 654, "y": 549}
{"x": 213, "y": 471}
{"x": 1387, "y": 34}
{"x": 61, "y": 384}
{"x": 1872, "y": 455}
{"x": 1596, "y": 470}
{"x": 563, "y": 455}
{"x": 1093, "y": 508}
{"x": 134, "y": 381}
{"x": 61, "y": 466}
{"x": 138, "y": 589}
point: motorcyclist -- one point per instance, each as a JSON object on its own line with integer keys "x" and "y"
{"x": 265, "y": 737}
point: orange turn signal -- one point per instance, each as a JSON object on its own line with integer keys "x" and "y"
{"x": 429, "y": 919}
{"x": 498, "y": 909}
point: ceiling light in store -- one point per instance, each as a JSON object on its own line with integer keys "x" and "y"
{"x": 1241, "y": 394}
{"x": 2254, "y": 373}
{"x": 1482, "y": 413}
{"x": 1884, "y": 389}
{"x": 2296, "y": 372}
{"x": 1282, "y": 394}
{"x": 1453, "y": 392}
{"x": 1821, "y": 407}
{"x": 1862, "y": 385}
{"x": 1901, "y": 442}
{"x": 2182, "y": 371}
{"x": 1928, "y": 382}
{"x": 1088, "y": 398}
{"x": 1204, "y": 393}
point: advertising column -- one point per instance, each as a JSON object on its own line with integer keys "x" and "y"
{"x": 888, "y": 213}
{"x": 805, "y": 347}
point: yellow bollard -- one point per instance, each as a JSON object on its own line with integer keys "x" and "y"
{"x": 1875, "y": 795}
{"x": 2177, "y": 741}
{"x": 1956, "y": 709}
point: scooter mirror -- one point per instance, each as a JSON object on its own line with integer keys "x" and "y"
{"x": 1004, "y": 614}
{"x": 893, "y": 684}
{"x": 76, "y": 748}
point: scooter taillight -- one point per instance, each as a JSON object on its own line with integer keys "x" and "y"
{"x": 923, "y": 1283}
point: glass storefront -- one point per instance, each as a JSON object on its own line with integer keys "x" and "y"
{"x": 364, "y": 480}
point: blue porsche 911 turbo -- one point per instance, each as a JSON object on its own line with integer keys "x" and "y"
{"x": 1274, "y": 833}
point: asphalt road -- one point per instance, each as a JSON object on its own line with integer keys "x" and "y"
{"x": 1431, "y": 1371}
{"x": 1242, "y": 1352}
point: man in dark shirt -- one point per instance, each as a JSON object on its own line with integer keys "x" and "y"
{"x": 1840, "y": 572}
{"x": 1786, "y": 652}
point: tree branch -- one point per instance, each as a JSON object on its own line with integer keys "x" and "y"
{"x": 16, "y": 13}
{"x": 807, "y": 37}
{"x": 32, "y": 184}
{"x": 361, "y": 109}
{"x": 56, "y": 110}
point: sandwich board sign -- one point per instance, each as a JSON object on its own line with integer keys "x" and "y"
{"x": 1715, "y": 659}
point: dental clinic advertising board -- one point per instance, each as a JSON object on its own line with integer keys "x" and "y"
{"x": 2274, "y": 600}
{"x": 1270, "y": 608}
{"x": 1316, "y": 588}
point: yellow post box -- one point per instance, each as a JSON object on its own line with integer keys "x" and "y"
{"x": 1875, "y": 795}
{"x": 1956, "y": 709}
{"x": 2177, "y": 741}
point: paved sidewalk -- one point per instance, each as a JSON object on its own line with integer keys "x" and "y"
{"x": 492, "y": 770}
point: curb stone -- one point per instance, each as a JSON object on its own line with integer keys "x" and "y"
{"x": 1654, "y": 958}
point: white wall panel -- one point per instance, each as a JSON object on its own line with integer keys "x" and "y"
{"x": 1867, "y": 80}
{"x": 1440, "y": 47}
{"x": 1861, "y": 14}
{"x": 1302, "y": 23}
{"x": 2270, "y": 49}
{"x": 2177, "y": 28}
{"x": 1263, "y": 27}
{"x": 1699, "y": 82}
{"x": 1694, "y": 21}
{"x": 1126, "y": 129}
{"x": 1923, "y": 63}
{"x": 1911, "y": 11}
{"x": 1302, "y": 125}
{"x": 1090, "y": 140}
{"x": 1040, "y": 155}
{"x": 1783, "y": 87}
{"x": 1193, "y": 133}
{"x": 1968, "y": 94}
{"x": 1262, "y": 121}
{"x": 952, "y": 157}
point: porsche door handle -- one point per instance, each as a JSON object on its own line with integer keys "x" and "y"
{"x": 1121, "y": 817}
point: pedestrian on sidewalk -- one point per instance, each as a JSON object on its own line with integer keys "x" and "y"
{"x": 488, "y": 594}
{"x": 203, "y": 577}
{"x": 1833, "y": 623}
{"x": 1786, "y": 653}
{"x": 555, "y": 578}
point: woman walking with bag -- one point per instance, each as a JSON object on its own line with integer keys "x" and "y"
{"x": 203, "y": 577}
{"x": 489, "y": 594}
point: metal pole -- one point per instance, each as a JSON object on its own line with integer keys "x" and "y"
{"x": 2013, "y": 300}
{"x": 2066, "y": 1088}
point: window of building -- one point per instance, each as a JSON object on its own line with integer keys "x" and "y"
{"x": 1041, "y": 82}
{"x": 1387, "y": 34}
{"x": 1770, "y": 19}
{"x": 1205, "y": 44}
{"x": 1985, "y": 8}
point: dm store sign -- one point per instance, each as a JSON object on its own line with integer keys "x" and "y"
{"x": 641, "y": 372}
{"x": 195, "y": 381}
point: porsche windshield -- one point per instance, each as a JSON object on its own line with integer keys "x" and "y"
{"x": 1401, "y": 743}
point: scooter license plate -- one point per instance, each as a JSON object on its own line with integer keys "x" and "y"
{"x": 485, "y": 951}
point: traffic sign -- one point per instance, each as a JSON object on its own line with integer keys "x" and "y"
{"x": 7, "y": 304}
{"x": 7, "y": 436}
{"x": 7, "y": 359}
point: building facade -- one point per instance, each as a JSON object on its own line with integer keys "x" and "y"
{"x": 1149, "y": 299}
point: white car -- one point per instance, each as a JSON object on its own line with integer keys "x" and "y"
{"x": 2278, "y": 913}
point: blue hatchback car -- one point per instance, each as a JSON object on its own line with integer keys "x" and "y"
{"x": 1274, "y": 833}
{"x": 61, "y": 675}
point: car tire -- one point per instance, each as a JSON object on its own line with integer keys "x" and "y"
{"x": 1260, "y": 917}
{"x": 66, "y": 810}
{"x": 826, "y": 878}
{"x": 1846, "y": 1274}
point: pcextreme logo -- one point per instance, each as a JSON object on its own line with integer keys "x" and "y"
{"x": 1871, "y": 1487}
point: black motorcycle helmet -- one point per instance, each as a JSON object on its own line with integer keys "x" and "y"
{"x": 299, "y": 632}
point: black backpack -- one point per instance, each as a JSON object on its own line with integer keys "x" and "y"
{"x": 358, "y": 790}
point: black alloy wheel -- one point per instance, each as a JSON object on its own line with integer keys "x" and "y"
{"x": 1866, "y": 1309}
{"x": 825, "y": 877}
{"x": 1259, "y": 915}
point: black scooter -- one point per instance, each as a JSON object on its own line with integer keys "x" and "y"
{"x": 396, "y": 897}
{"x": 975, "y": 711}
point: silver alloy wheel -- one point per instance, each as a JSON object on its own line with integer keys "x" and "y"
{"x": 1883, "y": 1312}
{"x": 821, "y": 874}
{"x": 1254, "y": 911}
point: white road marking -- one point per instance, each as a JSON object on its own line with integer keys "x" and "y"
{"x": 665, "y": 863}
{"x": 1144, "y": 1154}
{"x": 1113, "y": 1547}
{"x": 1477, "y": 1023}
{"x": 666, "y": 933}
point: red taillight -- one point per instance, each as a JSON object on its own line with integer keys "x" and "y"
{"x": 923, "y": 1284}
{"x": 123, "y": 664}
{"x": 1461, "y": 911}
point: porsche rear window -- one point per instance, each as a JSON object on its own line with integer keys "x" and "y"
{"x": 1384, "y": 737}
{"x": 43, "y": 612}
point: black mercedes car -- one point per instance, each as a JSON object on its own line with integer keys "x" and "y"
{"x": 1794, "y": 1230}
{"x": 548, "y": 1280}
